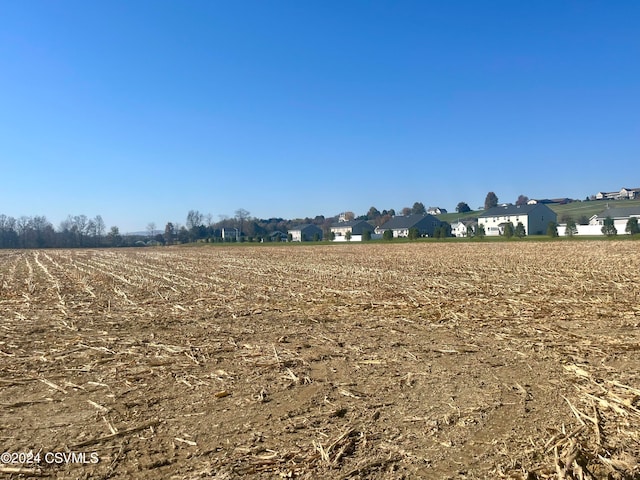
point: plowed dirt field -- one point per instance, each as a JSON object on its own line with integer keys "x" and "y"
{"x": 381, "y": 361}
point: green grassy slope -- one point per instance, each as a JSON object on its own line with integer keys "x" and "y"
{"x": 575, "y": 209}
{"x": 588, "y": 209}
{"x": 453, "y": 217}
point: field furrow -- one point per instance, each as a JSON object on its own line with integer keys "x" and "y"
{"x": 511, "y": 360}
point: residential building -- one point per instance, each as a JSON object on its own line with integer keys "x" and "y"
{"x": 535, "y": 218}
{"x": 231, "y": 234}
{"x": 436, "y": 211}
{"x": 355, "y": 229}
{"x": 460, "y": 228}
{"x": 620, "y": 216}
{"x": 623, "y": 194}
{"x": 629, "y": 193}
{"x": 400, "y": 226}
{"x": 305, "y": 233}
{"x": 278, "y": 236}
{"x": 557, "y": 201}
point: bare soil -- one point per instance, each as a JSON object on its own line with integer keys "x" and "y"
{"x": 381, "y": 361}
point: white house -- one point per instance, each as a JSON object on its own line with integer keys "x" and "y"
{"x": 581, "y": 230}
{"x": 305, "y": 233}
{"x": 354, "y": 228}
{"x": 620, "y": 217}
{"x": 630, "y": 193}
{"x": 461, "y": 228}
{"x": 623, "y": 194}
{"x": 535, "y": 218}
{"x": 436, "y": 211}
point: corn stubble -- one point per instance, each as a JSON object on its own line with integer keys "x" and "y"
{"x": 511, "y": 360}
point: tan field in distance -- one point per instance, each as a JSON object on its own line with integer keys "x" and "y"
{"x": 377, "y": 361}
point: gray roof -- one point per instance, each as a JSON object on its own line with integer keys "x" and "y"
{"x": 513, "y": 210}
{"x": 620, "y": 212}
{"x": 305, "y": 227}
{"x": 406, "y": 222}
{"x": 350, "y": 223}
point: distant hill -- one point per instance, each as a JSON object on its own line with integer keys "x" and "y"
{"x": 590, "y": 208}
{"x": 573, "y": 209}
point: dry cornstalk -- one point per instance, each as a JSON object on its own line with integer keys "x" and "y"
{"x": 121, "y": 433}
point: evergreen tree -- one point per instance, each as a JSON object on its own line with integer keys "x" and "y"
{"x": 609, "y": 229}
{"x": 418, "y": 208}
{"x": 508, "y": 230}
{"x": 462, "y": 207}
{"x": 490, "y": 201}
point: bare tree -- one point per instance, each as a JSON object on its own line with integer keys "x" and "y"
{"x": 114, "y": 236}
{"x": 169, "y": 233}
{"x": 194, "y": 219}
{"x": 151, "y": 229}
{"x": 100, "y": 228}
{"x": 241, "y": 216}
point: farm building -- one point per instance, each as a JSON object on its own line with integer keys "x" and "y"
{"x": 400, "y": 226}
{"x": 535, "y": 218}
{"x": 354, "y": 227}
{"x": 305, "y": 233}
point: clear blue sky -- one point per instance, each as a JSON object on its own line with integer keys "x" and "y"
{"x": 142, "y": 110}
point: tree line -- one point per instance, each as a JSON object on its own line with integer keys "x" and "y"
{"x": 80, "y": 231}
{"x": 76, "y": 231}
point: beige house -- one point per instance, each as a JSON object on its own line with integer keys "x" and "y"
{"x": 535, "y": 218}
{"x": 623, "y": 194}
